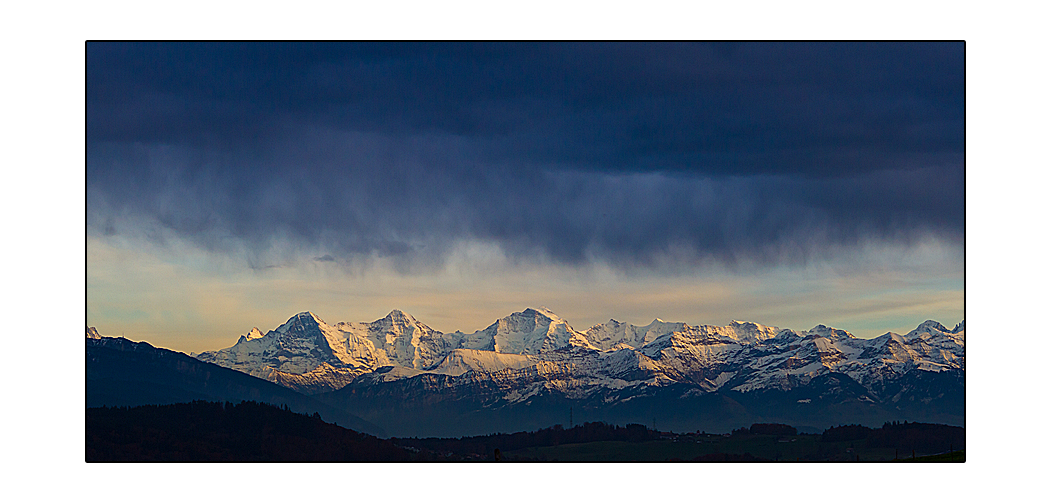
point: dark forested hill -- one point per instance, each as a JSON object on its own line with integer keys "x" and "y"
{"x": 212, "y": 431}
{"x": 254, "y": 432}
{"x": 120, "y": 372}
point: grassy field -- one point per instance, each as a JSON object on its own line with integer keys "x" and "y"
{"x": 768, "y": 447}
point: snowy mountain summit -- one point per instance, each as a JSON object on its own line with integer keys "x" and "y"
{"x": 534, "y": 349}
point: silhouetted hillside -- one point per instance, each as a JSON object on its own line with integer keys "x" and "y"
{"x": 250, "y": 431}
{"x": 213, "y": 431}
{"x": 119, "y": 372}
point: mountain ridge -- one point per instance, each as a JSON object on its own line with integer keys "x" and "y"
{"x": 531, "y": 366}
{"x": 308, "y": 354}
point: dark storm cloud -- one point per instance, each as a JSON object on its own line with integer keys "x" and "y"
{"x": 619, "y": 152}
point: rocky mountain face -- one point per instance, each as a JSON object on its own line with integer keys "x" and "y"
{"x": 534, "y": 360}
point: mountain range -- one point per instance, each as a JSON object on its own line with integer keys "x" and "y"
{"x": 532, "y": 369}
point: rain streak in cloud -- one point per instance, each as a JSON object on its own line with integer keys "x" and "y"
{"x": 637, "y": 156}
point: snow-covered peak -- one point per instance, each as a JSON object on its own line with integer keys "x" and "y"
{"x": 397, "y": 322}
{"x": 401, "y": 339}
{"x": 527, "y": 320}
{"x": 400, "y": 317}
{"x": 547, "y": 312}
{"x": 934, "y": 331}
{"x": 751, "y": 326}
{"x": 929, "y": 325}
{"x": 528, "y": 332}
{"x": 530, "y": 312}
{"x": 829, "y": 333}
{"x": 664, "y": 326}
{"x": 927, "y": 330}
{"x": 749, "y": 332}
{"x": 298, "y": 346}
{"x": 785, "y": 335}
{"x": 251, "y": 335}
{"x": 305, "y": 318}
{"x": 614, "y": 334}
{"x": 92, "y": 333}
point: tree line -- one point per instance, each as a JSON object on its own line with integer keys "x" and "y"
{"x": 904, "y": 436}
{"x": 202, "y": 431}
{"x": 555, "y": 435}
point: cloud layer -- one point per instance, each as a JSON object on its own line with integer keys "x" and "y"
{"x": 633, "y": 155}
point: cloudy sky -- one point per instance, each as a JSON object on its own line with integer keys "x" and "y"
{"x": 230, "y": 186}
